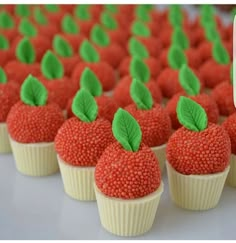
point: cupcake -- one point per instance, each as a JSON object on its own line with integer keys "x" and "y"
{"x": 153, "y": 120}
{"x": 66, "y": 54}
{"x": 229, "y": 125}
{"x": 9, "y": 95}
{"x": 197, "y": 159}
{"x": 79, "y": 144}
{"x": 223, "y": 96}
{"x": 136, "y": 48}
{"x": 112, "y": 53}
{"x": 32, "y": 125}
{"x": 191, "y": 86}
{"x": 127, "y": 180}
{"x": 6, "y": 52}
{"x": 107, "y": 106}
{"x": 59, "y": 87}
{"x": 91, "y": 58}
{"x": 25, "y": 63}
{"x": 139, "y": 70}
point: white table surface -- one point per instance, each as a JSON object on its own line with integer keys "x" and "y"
{"x": 38, "y": 208}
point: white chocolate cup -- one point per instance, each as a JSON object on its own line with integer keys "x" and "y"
{"x": 5, "y": 146}
{"x": 231, "y": 178}
{"x": 160, "y": 152}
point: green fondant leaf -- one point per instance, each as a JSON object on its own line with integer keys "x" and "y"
{"x": 108, "y": 21}
{"x": 88, "y": 52}
{"x": 84, "y": 106}
{"x": 211, "y": 33}
{"x": 6, "y": 21}
{"x": 39, "y": 16}
{"x": 180, "y": 38}
{"x": 175, "y": 16}
{"x": 3, "y": 77}
{"x": 25, "y": 51}
{"x": 26, "y": 28}
{"x": 191, "y": 115}
{"x": 140, "y": 29}
{"x": 22, "y": 10}
{"x": 126, "y": 130}
{"x": 207, "y": 20}
{"x": 141, "y": 95}
{"x": 82, "y": 12}
{"x": 176, "y": 57}
{"x": 51, "y": 66}
{"x": 142, "y": 13}
{"x": 4, "y": 43}
{"x": 206, "y": 10}
{"x": 136, "y": 48}
{"x": 113, "y": 8}
{"x": 233, "y": 13}
{"x": 99, "y": 36}
{"x": 69, "y": 25}
{"x": 33, "y": 92}
{"x": 220, "y": 54}
{"x": 189, "y": 81}
{"x": 139, "y": 70}
{"x": 53, "y": 8}
{"x": 90, "y": 82}
{"x": 62, "y": 47}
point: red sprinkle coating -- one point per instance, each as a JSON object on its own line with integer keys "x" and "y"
{"x": 127, "y": 175}
{"x": 155, "y": 124}
{"x": 204, "y": 100}
{"x": 74, "y": 39}
{"x": 9, "y": 95}
{"x": 223, "y": 96}
{"x": 34, "y": 124}
{"x": 69, "y": 64}
{"x": 230, "y": 126}
{"x": 199, "y": 153}
{"x": 104, "y": 72}
{"x": 152, "y": 63}
{"x": 122, "y": 91}
{"x": 205, "y": 51}
{"x": 80, "y": 143}
{"x": 6, "y": 56}
{"x": 213, "y": 73}
{"x": 118, "y": 36}
{"x": 107, "y": 107}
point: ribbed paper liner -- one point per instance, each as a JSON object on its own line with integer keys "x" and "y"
{"x": 222, "y": 119}
{"x": 78, "y": 181}
{"x": 36, "y": 159}
{"x": 195, "y": 192}
{"x": 5, "y": 146}
{"x": 160, "y": 152}
{"x": 128, "y": 217}
{"x": 231, "y": 178}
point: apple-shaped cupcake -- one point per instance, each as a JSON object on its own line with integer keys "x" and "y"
{"x": 91, "y": 58}
{"x": 220, "y": 62}
{"x": 66, "y": 54}
{"x": 9, "y": 95}
{"x": 32, "y": 125}
{"x": 138, "y": 70}
{"x": 59, "y": 87}
{"x": 25, "y": 64}
{"x": 7, "y": 26}
{"x": 191, "y": 86}
{"x": 6, "y": 52}
{"x": 197, "y": 159}
{"x": 79, "y": 144}
{"x": 223, "y": 96}
{"x": 112, "y": 53}
{"x": 127, "y": 180}
{"x": 136, "y": 48}
{"x": 154, "y": 121}
{"x": 107, "y": 106}
{"x": 230, "y": 126}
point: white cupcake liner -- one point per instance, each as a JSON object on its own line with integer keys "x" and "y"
{"x": 231, "y": 178}
{"x": 196, "y": 192}
{"x": 128, "y": 217}
{"x": 5, "y": 146}
{"x": 221, "y": 119}
{"x": 35, "y": 159}
{"x": 78, "y": 181}
{"x": 160, "y": 152}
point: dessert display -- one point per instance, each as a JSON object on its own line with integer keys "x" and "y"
{"x": 79, "y": 144}
{"x": 127, "y": 180}
{"x": 197, "y": 158}
{"x": 32, "y": 124}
